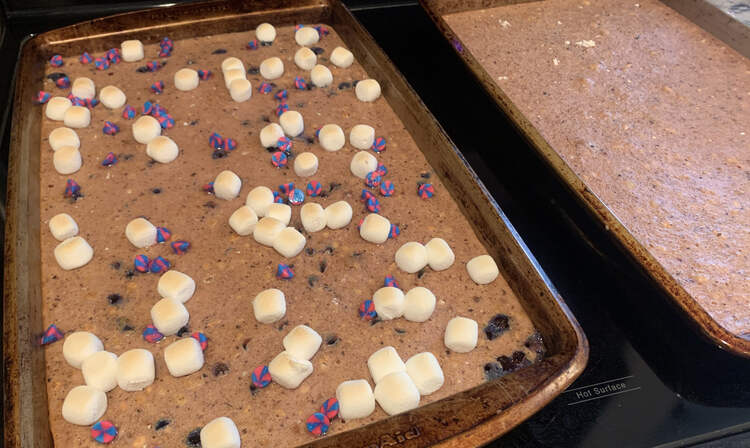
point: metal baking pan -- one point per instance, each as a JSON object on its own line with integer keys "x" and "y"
{"x": 700, "y": 12}
{"x": 471, "y": 417}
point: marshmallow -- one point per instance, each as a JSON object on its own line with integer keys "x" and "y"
{"x": 389, "y": 302}
{"x": 186, "y": 79}
{"x": 183, "y": 357}
{"x": 80, "y": 345}
{"x": 461, "y": 334}
{"x": 341, "y": 57}
{"x": 288, "y": 371}
{"x": 135, "y": 370}
{"x": 63, "y": 226}
{"x": 56, "y": 108}
{"x": 305, "y": 58}
{"x": 232, "y": 75}
{"x": 362, "y": 136}
{"x": 289, "y": 242}
{"x": 162, "y": 149}
{"x": 270, "y": 135}
{"x": 419, "y": 303}
{"x": 112, "y": 97}
{"x": 482, "y": 269}
{"x": 62, "y": 136}
{"x": 67, "y": 160}
{"x": 338, "y": 215}
{"x": 424, "y": 369}
{"x": 169, "y": 315}
{"x": 272, "y": 68}
{"x": 231, "y": 63}
{"x": 259, "y": 199}
{"x": 439, "y": 254}
{"x": 306, "y": 36}
{"x": 141, "y": 233}
{"x": 313, "y": 217}
{"x": 220, "y": 433}
{"x": 132, "y": 50}
{"x": 367, "y": 90}
{"x": 280, "y": 212}
{"x": 384, "y": 362}
{"x": 100, "y": 371}
{"x": 302, "y": 342}
{"x": 269, "y": 306}
{"x": 145, "y": 129}
{"x": 292, "y": 123}
{"x": 265, "y": 32}
{"x": 397, "y": 393}
{"x": 176, "y": 285}
{"x": 375, "y": 228}
{"x": 84, "y": 405}
{"x": 243, "y": 220}
{"x": 363, "y": 163}
{"x": 83, "y": 88}
{"x": 227, "y": 185}
{"x": 305, "y": 164}
{"x": 355, "y": 399}
{"x": 321, "y": 76}
{"x": 73, "y": 253}
{"x": 77, "y": 117}
{"x": 267, "y": 230}
{"x": 411, "y": 257}
{"x": 331, "y": 137}
{"x": 240, "y": 90}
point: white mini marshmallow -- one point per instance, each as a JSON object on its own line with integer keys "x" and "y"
{"x": 145, "y": 129}
{"x": 227, "y": 185}
{"x": 419, "y": 303}
{"x": 331, "y": 137}
{"x": 292, "y": 123}
{"x": 80, "y": 345}
{"x": 305, "y": 58}
{"x": 176, "y": 285}
{"x": 355, "y": 399}
{"x": 220, "y": 433}
{"x": 83, "y": 88}
{"x": 341, "y": 57}
{"x": 265, "y": 32}
{"x": 112, "y": 97}
{"x": 269, "y": 306}
{"x": 482, "y": 269}
{"x": 424, "y": 369}
{"x": 397, "y": 393}
{"x": 338, "y": 215}
{"x": 289, "y": 242}
{"x": 411, "y": 257}
{"x": 270, "y": 135}
{"x": 461, "y": 334}
{"x": 77, "y": 117}
{"x": 362, "y": 136}
{"x": 183, "y": 357}
{"x": 288, "y": 371}
{"x": 267, "y": 230}
{"x": 84, "y": 405}
{"x": 186, "y": 79}
{"x": 232, "y": 63}
{"x": 232, "y": 75}
{"x": 302, "y": 342}
{"x": 280, "y": 212}
{"x": 375, "y": 228}
{"x": 56, "y": 108}
{"x": 169, "y": 315}
{"x": 389, "y": 302}
{"x": 132, "y": 50}
{"x": 240, "y": 90}
{"x": 62, "y": 137}
{"x": 259, "y": 199}
{"x": 272, "y": 68}
{"x": 135, "y": 370}
{"x": 313, "y": 217}
{"x": 73, "y": 253}
{"x": 367, "y": 90}
{"x": 243, "y": 220}
{"x": 321, "y": 76}
{"x": 63, "y": 226}
{"x": 305, "y": 164}
{"x": 162, "y": 149}
{"x": 100, "y": 371}
{"x": 384, "y": 362}
{"x": 439, "y": 254}
{"x": 363, "y": 163}
{"x": 141, "y": 233}
{"x": 67, "y": 160}
{"x": 306, "y": 36}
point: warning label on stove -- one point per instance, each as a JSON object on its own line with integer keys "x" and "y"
{"x": 604, "y": 389}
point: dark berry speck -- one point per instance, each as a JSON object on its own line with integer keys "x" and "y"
{"x": 493, "y": 370}
{"x": 116, "y": 265}
{"x": 162, "y": 423}
{"x": 129, "y": 273}
{"x": 182, "y": 331}
{"x": 114, "y": 299}
{"x": 156, "y": 190}
{"x": 318, "y": 50}
{"x": 496, "y": 326}
{"x": 513, "y": 362}
{"x": 193, "y": 439}
{"x": 331, "y": 339}
{"x": 535, "y": 344}
{"x": 312, "y": 280}
{"x": 219, "y": 154}
{"x": 220, "y": 369}
{"x": 219, "y": 51}
{"x": 323, "y": 266}
{"x": 253, "y": 70}
{"x": 344, "y": 85}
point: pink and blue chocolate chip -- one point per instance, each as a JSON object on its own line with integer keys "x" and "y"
{"x": 253, "y": 44}
{"x": 279, "y": 159}
{"x": 110, "y": 128}
{"x": 141, "y": 263}
{"x": 42, "y": 97}
{"x": 216, "y": 141}
{"x": 62, "y": 82}
{"x": 110, "y": 159}
{"x": 286, "y": 188}
{"x": 387, "y": 188}
{"x": 281, "y": 108}
{"x": 261, "y": 377}
{"x": 381, "y": 169}
{"x": 379, "y": 144}
{"x": 390, "y": 281}
{"x": 330, "y": 408}
{"x": 367, "y": 310}
{"x": 372, "y": 179}
{"x": 300, "y": 83}
{"x": 372, "y": 205}
{"x": 56, "y": 61}
{"x": 180, "y": 247}
{"x": 104, "y": 431}
{"x": 265, "y": 87}
{"x": 394, "y": 232}
{"x": 128, "y": 113}
{"x": 72, "y": 189}
{"x": 204, "y": 75}
{"x": 85, "y": 58}
{"x": 152, "y": 335}
{"x": 162, "y": 234}
{"x": 159, "y": 264}
{"x": 425, "y": 191}
{"x": 101, "y": 63}
{"x": 284, "y": 272}
{"x": 281, "y": 95}
{"x": 284, "y": 144}
{"x": 51, "y": 334}
{"x": 278, "y": 198}
{"x": 318, "y": 424}
{"x": 201, "y": 338}
{"x": 157, "y": 87}
{"x": 296, "y": 196}
{"x": 314, "y": 188}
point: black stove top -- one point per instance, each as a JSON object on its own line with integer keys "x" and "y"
{"x": 652, "y": 380}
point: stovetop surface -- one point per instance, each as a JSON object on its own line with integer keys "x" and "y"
{"x": 652, "y": 379}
